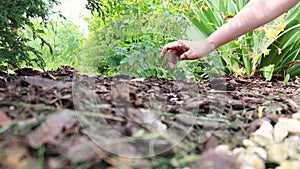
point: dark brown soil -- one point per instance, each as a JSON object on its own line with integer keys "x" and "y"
{"x": 40, "y": 129}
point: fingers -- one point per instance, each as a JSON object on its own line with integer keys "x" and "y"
{"x": 169, "y": 46}
{"x": 179, "y": 50}
{"x": 172, "y": 60}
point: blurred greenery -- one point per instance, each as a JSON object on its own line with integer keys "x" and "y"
{"x": 125, "y": 37}
{"x": 285, "y": 50}
{"x": 247, "y": 55}
{"x": 14, "y": 16}
{"x": 65, "y": 42}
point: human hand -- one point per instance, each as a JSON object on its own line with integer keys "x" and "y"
{"x": 186, "y": 50}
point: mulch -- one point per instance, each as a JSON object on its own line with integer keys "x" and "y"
{"x": 47, "y": 120}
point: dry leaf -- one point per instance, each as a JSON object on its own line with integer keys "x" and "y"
{"x": 80, "y": 151}
{"x": 15, "y": 155}
{"x": 4, "y": 119}
{"x": 50, "y": 130}
{"x": 212, "y": 160}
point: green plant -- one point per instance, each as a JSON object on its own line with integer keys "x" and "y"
{"x": 285, "y": 50}
{"x": 127, "y": 36}
{"x": 14, "y": 15}
{"x": 64, "y": 39}
{"x": 243, "y": 55}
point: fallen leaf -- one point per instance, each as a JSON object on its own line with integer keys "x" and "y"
{"x": 4, "y": 119}
{"x": 51, "y": 129}
{"x": 44, "y": 82}
{"x": 15, "y": 155}
{"x": 80, "y": 151}
{"x": 211, "y": 143}
{"x": 260, "y": 110}
{"x": 54, "y": 163}
{"x": 212, "y": 160}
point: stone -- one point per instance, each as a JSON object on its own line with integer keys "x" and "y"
{"x": 250, "y": 161}
{"x": 292, "y": 125}
{"x": 277, "y": 152}
{"x": 280, "y": 132}
{"x": 248, "y": 143}
{"x": 264, "y": 135}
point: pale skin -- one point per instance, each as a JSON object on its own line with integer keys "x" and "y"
{"x": 255, "y": 14}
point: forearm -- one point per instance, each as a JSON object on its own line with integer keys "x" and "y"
{"x": 255, "y": 14}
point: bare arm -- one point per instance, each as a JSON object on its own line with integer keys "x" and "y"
{"x": 255, "y": 14}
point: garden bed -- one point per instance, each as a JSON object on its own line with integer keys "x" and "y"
{"x": 41, "y": 124}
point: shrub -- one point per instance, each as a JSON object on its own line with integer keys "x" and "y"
{"x": 127, "y": 36}
{"x": 65, "y": 41}
{"x": 256, "y": 51}
{"x": 14, "y": 15}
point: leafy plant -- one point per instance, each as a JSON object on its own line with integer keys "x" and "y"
{"x": 285, "y": 50}
{"x": 14, "y": 15}
{"x": 243, "y": 55}
{"x": 64, "y": 39}
{"x": 127, "y": 36}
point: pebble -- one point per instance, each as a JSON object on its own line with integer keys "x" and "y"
{"x": 288, "y": 164}
{"x": 259, "y": 151}
{"x": 248, "y": 143}
{"x": 296, "y": 116}
{"x": 264, "y": 135}
{"x": 250, "y": 161}
{"x": 280, "y": 132}
{"x": 292, "y": 125}
{"x": 293, "y": 144}
{"x": 224, "y": 148}
{"x": 277, "y": 152}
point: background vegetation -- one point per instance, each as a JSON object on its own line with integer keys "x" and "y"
{"x": 126, "y": 37}
{"x": 14, "y": 16}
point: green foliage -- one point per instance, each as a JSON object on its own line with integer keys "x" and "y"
{"x": 255, "y": 49}
{"x": 14, "y": 15}
{"x": 285, "y": 50}
{"x": 127, "y": 36}
{"x": 64, "y": 39}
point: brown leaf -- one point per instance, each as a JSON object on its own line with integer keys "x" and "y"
{"x": 15, "y": 155}
{"x": 212, "y": 160}
{"x": 80, "y": 151}
{"x": 4, "y": 119}
{"x": 211, "y": 143}
{"x": 44, "y": 82}
{"x": 51, "y": 129}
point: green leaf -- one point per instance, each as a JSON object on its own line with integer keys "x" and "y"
{"x": 268, "y": 72}
{"x": 286, "y": 79}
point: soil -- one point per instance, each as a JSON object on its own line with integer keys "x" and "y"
{"x": 41, "y": 128}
